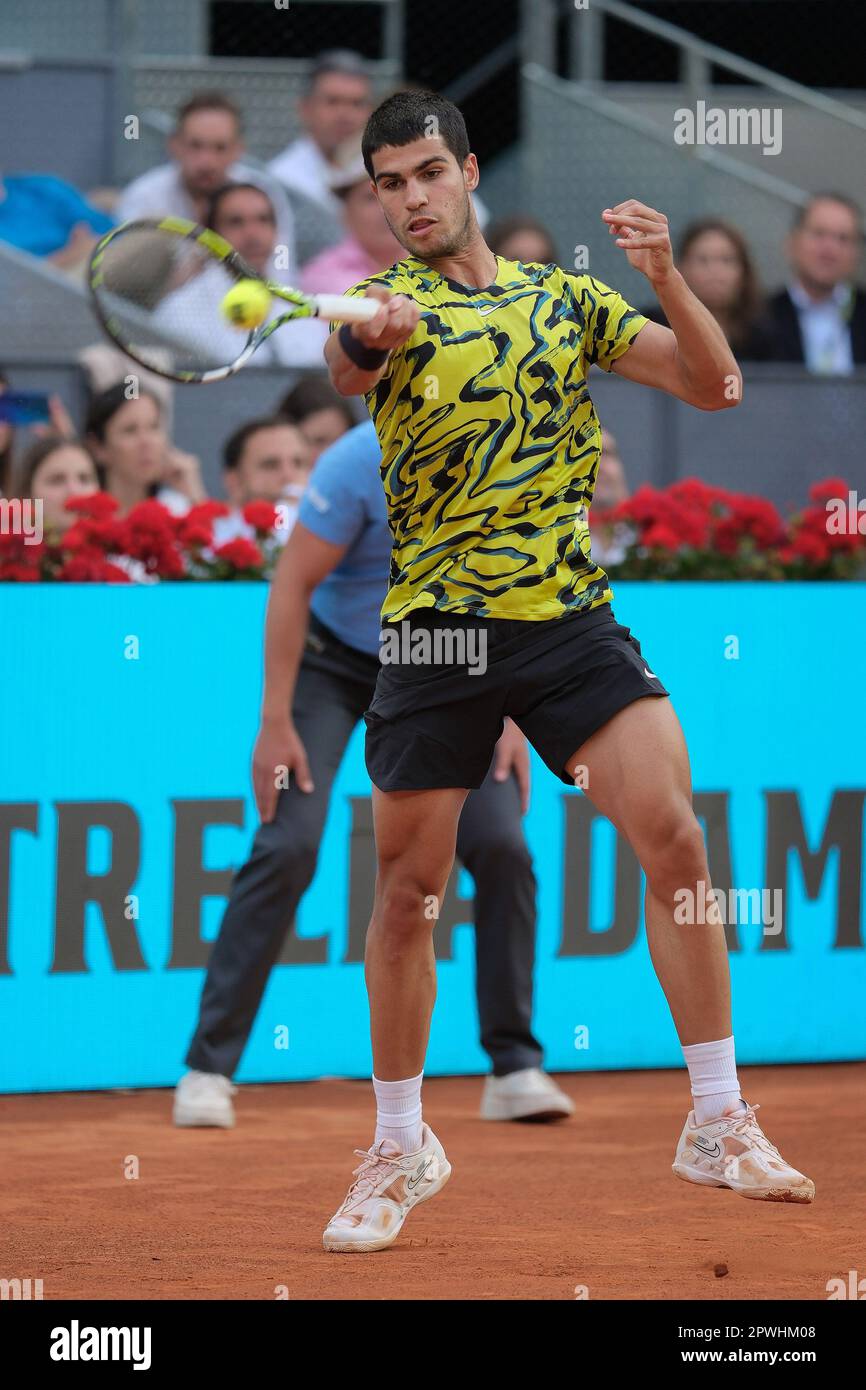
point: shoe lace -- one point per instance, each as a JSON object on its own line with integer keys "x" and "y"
{"x": 748, "y": 1126}
{"x": 368, "y": 1174}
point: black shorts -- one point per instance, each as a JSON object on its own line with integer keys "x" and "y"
{"x": 448, "y": 680}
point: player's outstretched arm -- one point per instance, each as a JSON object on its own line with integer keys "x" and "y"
{"x": 357, "y": 354}
{"x": 692, "y": 359}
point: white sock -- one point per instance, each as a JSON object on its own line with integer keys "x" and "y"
{"x": 713, "y": 1076}
{"x": 398, "y": 1112}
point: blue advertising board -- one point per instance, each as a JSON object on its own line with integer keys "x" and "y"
{"x": 128, "y": 718}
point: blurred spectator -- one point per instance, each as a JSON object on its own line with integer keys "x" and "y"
{"x": 521, "y": 239}
{"x": 820, "y": 317}
{"x": 716, "y": 264}
{"x": 609, "y": 542}
{"x": 105, "y": 365}
{"x": 369, "y": 245}
{"x": 321, "y": 414}
{"x": 54, "y": 469}
{"x": 134, "y": 454}
{"x": 7, "y": 442}
{"x": 244, "y": 215}
{"x": 335, "y": 107}
{"x": 206, "y": 151}
{"x": 264, "y": 461}
{"x": 46, "y": 216}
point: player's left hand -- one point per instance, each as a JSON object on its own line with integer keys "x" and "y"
{"x": 512, "y": 755}
{"x": 644, "y": 236}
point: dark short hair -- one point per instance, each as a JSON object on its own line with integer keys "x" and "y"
{"x": 104, "y": 406}
{"x": 217, "y": 199}
{"x": 310, "y": 394}
{"x": 210, "y": 100}
{"x": 342, "y": 60}
{"x": 405, "y": 116}
{"x": 233, "y": 449}
{"x": 827, "y": 197}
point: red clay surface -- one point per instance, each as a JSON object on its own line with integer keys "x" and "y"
{"x": 529, "y": 1213}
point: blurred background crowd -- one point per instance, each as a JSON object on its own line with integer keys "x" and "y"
{"x": 306, "y": 215}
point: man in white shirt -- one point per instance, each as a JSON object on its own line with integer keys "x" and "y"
{"x": 206, "y": 151}
{"x": 264, "y": 461}
{"x": 335, "y": 106}
{"x": 820, "y": 317}
{"x": 244, "y": 215}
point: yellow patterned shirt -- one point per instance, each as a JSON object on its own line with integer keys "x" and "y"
{"x": 490, "y": 442}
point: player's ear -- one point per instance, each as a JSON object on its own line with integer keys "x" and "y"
{"x": 471, "y": 175}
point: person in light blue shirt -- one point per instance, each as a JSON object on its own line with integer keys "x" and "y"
{"x": 45, "y": 216}
{"x": 321, "y": 663}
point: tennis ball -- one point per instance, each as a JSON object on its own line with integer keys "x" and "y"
{"x": 246, "y": 305}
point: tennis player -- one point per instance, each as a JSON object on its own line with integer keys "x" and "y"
{"x": 475, "y": 373}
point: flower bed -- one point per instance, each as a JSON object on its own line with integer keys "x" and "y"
{"x": 146, "y": 545}
{"x": 693, "y": 531}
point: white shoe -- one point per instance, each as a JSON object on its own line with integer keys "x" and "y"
{"x": 388, "y": 1184}
{"x": 203, "y": 1098}
{"x": 734, "y": 1152}
{"x": 524, "y": 1095}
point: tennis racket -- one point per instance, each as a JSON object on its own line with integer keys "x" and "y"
{"x": 157, "y": 288}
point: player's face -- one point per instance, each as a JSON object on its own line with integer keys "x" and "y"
{"x": 67, "y": 472}
{"x": 337, "y": 108}
{"x": 424, "y": 194}
{"x": 205, "y": 147}
{"x": 825, "y": 250}
{"x": 246, "y": 220}
{"x": 275, "y": 461}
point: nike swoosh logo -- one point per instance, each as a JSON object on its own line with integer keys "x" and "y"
{"x": 714, "y": 1152}
{"x": 412, "y": 1183}
{"x": 489, "y": 309}
{"x": 652, "y": 675}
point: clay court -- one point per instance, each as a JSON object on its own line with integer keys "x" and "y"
{"x": 530, "y": 1212}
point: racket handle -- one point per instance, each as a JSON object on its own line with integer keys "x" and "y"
{"x": 346, "y": 309}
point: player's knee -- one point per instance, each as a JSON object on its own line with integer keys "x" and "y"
{"x": 675, "y": 855}
{"x": 405, "y": 907}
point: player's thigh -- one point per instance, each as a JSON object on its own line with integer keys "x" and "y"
{"x": 635, "y": 770}
{"x": 416, "y": 833}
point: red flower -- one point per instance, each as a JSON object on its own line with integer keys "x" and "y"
{"x": 98, "y": 505}
{"x": 208, "y": 510}
{"x": 240, "y": 553}
{"x": 91, "y": 568}
{"x": 751, "y": 518}
{"x": 660, "y": 537}
{"x": 194, "y": 534}
{"x": 828, "y": 488}
{"x": 21, "y": 574}
{"x": 262, "y": 516}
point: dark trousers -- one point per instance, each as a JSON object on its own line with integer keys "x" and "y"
{"x": 334, "y": 687}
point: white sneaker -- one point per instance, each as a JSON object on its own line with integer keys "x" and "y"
{"x": 203, "y": 1098}
{"x": 734, "y": 1152}
{"x": 388, "y": 1184}
{"x": 524, "y": 1095}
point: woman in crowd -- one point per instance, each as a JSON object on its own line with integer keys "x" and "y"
{"x": 54, "y": 469}
{"x": 134, "y": 454}
{"x": 321, "y": 414}
{"x": 717, "y": 266}
{"x": 522, "y": 239}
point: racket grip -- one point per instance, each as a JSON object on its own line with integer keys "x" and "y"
{"x": 345, "y": 309}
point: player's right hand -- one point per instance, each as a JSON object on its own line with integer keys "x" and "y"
{"x": 392, "y": 325}
{"x": 278, "y": 749}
